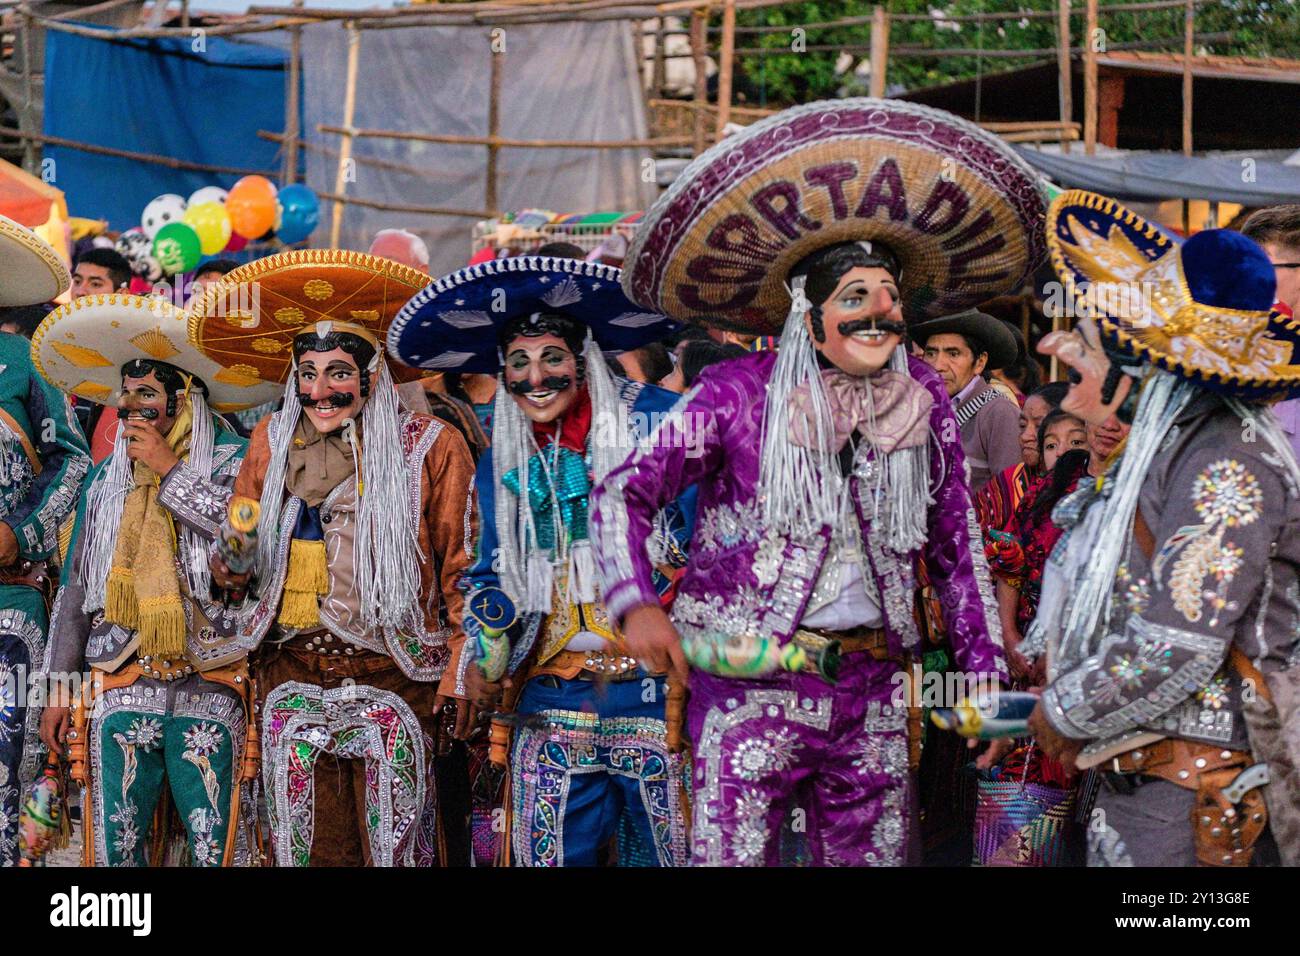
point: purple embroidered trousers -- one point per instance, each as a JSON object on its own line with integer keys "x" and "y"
{"x": 824, "y": 764}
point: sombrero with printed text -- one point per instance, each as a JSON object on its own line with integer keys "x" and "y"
{"x": 961, "y": 210}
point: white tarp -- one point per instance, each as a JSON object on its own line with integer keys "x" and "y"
{"x": 569, "y": 81}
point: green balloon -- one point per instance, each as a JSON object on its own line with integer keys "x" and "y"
{"x": 177, "y": 248}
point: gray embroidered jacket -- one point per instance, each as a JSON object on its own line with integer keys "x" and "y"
{"x": 197, "y": 502}
{"x": 1225, "y": 515}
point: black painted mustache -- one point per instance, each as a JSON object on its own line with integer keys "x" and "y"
{"x": 335, "y": 400}
{"x": 887, "y": 326}
{"x": 149, "y": 414}
{"x": 556, "y": 383}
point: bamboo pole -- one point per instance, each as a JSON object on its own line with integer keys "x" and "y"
{"x": 502, "y": 142}
{"x": 421, "y": 172}
{"x": 965, "y": 18}
{"x": 343, "y": 200}
{"x": 349, "y": 114}
{"x": 154, "y": 158}
{"x": 726, "y": 63}
{"x": 1189, "y": 24}
{"x": 699, "y": 51}
{"x": 82, "y": 12}
{"x": 917, "y": 52}
{"x": 153, "y": 33}
{"x": 1064, "y": 80}
{"x": 291, "y": 108}
{"x": 879, "y": 50}
{"x": 1090, "y": 78}
{"x": 659, "y": 72}
{"x": 29, "y": 96}
{"x": 494, "y": 132}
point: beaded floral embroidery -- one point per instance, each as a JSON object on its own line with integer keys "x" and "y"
{"x": 1225, "y": 495}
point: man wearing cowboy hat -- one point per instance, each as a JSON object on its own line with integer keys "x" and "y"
{"x": 169, "y": 710}
{"x": 1171, "y": 611}
{"x": 43, "y": 462}
{"x": 825, "y": 469}
{"x": 589, "y": 757}
{"x": 961, "y": 348}
{"x": 366, "y": 521}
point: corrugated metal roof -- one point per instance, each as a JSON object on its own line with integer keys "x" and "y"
{"x": 1267, "y": 69}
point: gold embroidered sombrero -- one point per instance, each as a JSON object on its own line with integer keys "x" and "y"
{"x": 81, "y": 348}
{"x": 251, "y": 317}
{"x": 1200, "y": 308}
{"x": 961, "y": 210}
{"x": 31, "y": 271}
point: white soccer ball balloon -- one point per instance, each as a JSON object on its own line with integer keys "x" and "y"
{"x": 167, "y": 208}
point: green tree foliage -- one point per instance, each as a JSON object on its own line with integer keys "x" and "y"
{"x": 784, "y": 77}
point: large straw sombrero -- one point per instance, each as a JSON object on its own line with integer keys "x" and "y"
{"x": 963, "y": 212}
{"x": 1201, "y": 309}
{"x": 251, "y": 316}
{"x": 454, "y": 323}
{"x": 31, "y": 271}
{"x": 81, "y": 348}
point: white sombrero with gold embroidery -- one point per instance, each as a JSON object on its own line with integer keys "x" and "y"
{"x": 81, "y": 348}
{"x": 31, "y": 271}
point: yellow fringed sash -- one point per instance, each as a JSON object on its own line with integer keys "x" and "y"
{"x": 143, "y": 589}
{"x": 306, "y": 580}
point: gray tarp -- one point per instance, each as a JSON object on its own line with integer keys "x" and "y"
{"x": 572, "y": 81}
{"x": 1163, "y": 175}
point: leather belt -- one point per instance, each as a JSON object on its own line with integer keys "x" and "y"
{"x": 858, "y": 640}
{"x": 1180, "y": 762}
{"x": 324, "y": 643}
{"x": 588, "y": 666}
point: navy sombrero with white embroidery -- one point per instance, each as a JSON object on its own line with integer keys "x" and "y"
{"x": 454, "y": 323}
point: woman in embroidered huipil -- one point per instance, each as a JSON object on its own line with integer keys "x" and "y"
{"x": 589, "y": 759}
{"x": 824, "y": 471}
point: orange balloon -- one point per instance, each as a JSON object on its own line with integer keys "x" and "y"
{"x": 251, "y": 206}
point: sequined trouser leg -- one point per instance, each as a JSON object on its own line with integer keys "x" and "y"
{"x": 22, "y": 643}
{"x": 794, "y": 753}
{"x": 586, "y": 757}
{"x": 347, "y": 760}
{"x": 145, "y": 737}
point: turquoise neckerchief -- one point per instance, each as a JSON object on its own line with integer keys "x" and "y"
{"x": 572, "y": 492}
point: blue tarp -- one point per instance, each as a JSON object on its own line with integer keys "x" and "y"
{"x": 160, "y": 96}
{"x": 1160, "y": 176}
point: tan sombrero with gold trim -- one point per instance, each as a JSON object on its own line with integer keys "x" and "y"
{"x": 252, "y": 315}
{"x": 31, "y": 271}
{"x": 81, "y": 347}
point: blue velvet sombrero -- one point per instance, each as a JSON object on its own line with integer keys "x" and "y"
{"x": 454, "y": 323}
{"x": 1202, "y": 308}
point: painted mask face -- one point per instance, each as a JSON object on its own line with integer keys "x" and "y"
{"x": 542, "y": 375}
{"x": 1081, "y": 350}
{"x": 329, "y": 389}
{"x": 862, "y": 321}
{"x": 145, "y": 400}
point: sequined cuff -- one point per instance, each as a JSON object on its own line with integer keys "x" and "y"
{"x": 627, "y": 596}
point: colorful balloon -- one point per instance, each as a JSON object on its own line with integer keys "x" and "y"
{"x": 251, "y": 206}
{"x": 299, "y": 213}
{"x": 167, "y": 208}
{"x": 236, "y": 243}
{"x": 177, "y": 248}
{"x": 210, "y": 221}
{"x": 208, "y": 194}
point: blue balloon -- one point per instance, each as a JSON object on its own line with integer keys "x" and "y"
{"x": 299, "y": 213}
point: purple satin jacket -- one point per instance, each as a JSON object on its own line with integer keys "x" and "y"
{"x": 713, "y": 439}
